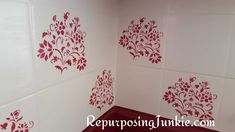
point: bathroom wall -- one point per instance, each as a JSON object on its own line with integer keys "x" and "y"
{"x": 196, "y": 48}
{"x": 36, "y": 88}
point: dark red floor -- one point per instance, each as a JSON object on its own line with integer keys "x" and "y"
{"x": 120, "y": 113}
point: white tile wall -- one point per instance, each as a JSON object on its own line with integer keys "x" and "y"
{"x": 94, "y": 22}
{"x": 227, "y": 113}
{"x": 230, "y": 72}
{"x": 137, "y": 86}
{"x": 67, "y": 108}
{"x": 198, "y": 39}
{"x": 61, "y": 110}
{"x": 170, "y": 78}
{"x": 183, "y": 7}
{"x": 198, "y": 43}
{"x": 157, "y": 11}
{"x": 16, "y": 66}
{"x": 58, "y": 102}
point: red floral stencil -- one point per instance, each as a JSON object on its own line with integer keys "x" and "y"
{"x": 142, "y": 39}
{"x": 14, "y": 123}
{"x": 63, "y": 44}
{"x": 102, "y": 92}
{"x": 191, "y": 98}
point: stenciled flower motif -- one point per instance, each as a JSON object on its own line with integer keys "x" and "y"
{"x": 169, "y": 97}
{"x": 14, "y": 123}
{"x": 60, "y": 27}
{"x": 81, "y": 64}
{"x": 206, "y": 97}
{"x": 63, "y": 44}
{"x": 155, "y": 57}
{"x": 191, "y": 98}
{"x": 45, "y": 50}
{"x": 124, "y": 40}
{"x": 102, "y": 92}
{"x": 142, "y": 39}
{"x": 185, "y": 87}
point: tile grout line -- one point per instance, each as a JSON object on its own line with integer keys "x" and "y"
{"x": 180, "y": 71}
{"x": 116, "y": 54}
{"x": 228, "y": 55}
{"x": 164, "y": 54}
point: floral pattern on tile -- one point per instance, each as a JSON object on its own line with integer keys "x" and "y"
{"x": 142, "y": 39}
{"x": 63, "y": 44}
{"x": 191, "y": 98}
{"x": 102, "y": 92}
{"x": 14, "y": 123}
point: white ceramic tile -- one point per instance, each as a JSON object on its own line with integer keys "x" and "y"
{"x": 62, "y": 4}
{"x": 59, "y": 108}
{"x": 65, "y": 107}
{"x": 227, "y": 114}
{"x": 102, "y": 26}
{"x": 16, "y": 60}
{"x": 100, "y": 46}
{"x": 142, "y": 7}
{"x": 27, "y": 110}
{"x": 230, "y": 67}
{"x": 153, "y": 10}
{"x": 46, "y": 73}
{"x": 170, "y": 78}
{"x": 68, "y": 94}
{"x": 138, "y": 88}
{"x": 182, "y": 7}
{"x": 198, "y": 43}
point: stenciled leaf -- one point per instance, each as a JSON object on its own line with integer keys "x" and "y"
{"x": 4, "y": 126}
{"x": 44, "y": 34}
{"x": 58, "y": 67}
{"x": 54, "y": 18}
{"x": 13, "y": 126}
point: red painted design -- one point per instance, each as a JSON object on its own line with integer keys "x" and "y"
{"x": 142, "y": 39}
{"x": 102, "y": 92}
{"x": 63, "y": 44}
{"x": 191, "y": 98}
{"x": 14, "y": 123}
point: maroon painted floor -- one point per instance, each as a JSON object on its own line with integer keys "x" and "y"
{"x": 120, "y": 113}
